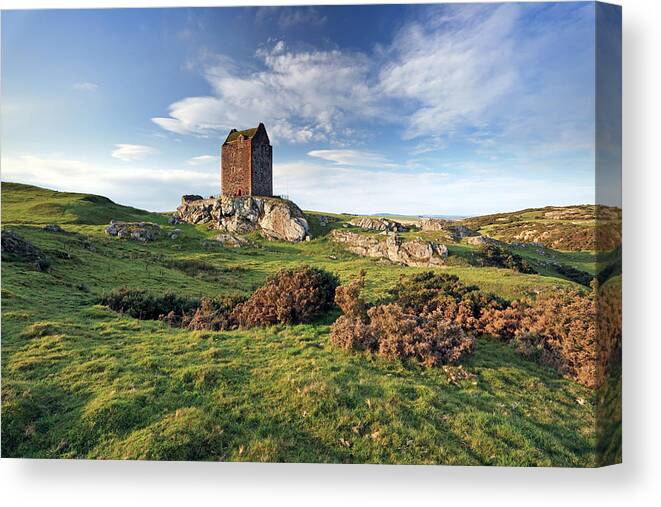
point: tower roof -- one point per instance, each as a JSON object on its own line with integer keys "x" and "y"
{"x": 248, "y": 133}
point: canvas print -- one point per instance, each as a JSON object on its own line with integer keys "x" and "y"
{"x": 385, "y": 234}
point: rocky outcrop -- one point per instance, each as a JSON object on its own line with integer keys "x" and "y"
{"x": 273, "y": 217}
{"x": 16, "y": 248}
{"x": 433, "y": 224}
{"x": 137, "y": 231}
{"x": 416, "y": 252}
{"x": 457, "y": 232}
{"x": 377, "y": 224}
{"x": 480, "y": 240}
{"x": 461, "y": 231}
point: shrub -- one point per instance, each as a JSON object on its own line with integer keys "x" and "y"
{"x": 502, "y": 322}
{"x": 393, "y": 332}
{"x": 292, "y": 296}
{"x": 213, "y": 315}
{"x": 496, "y": 256}
{"x": 430, "y": 292}
{"x": 349, "y": 300}
{"x": 420, "y": 292}
{"x": 573, "y": 274}
{"x": 352, "y": 334}
{"x": 142, "y": 305}
{"x": 609, "y": 329}
{"x": 561, "y": 328}
{"x": 429, "y": 340}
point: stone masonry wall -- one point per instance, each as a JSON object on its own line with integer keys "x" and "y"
{"x": 262, "y": 167}
{"x": 235, "y": 168}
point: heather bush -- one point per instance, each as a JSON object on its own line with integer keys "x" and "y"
{"x": 292, "y": 296}
{"x": 140, "y": 304}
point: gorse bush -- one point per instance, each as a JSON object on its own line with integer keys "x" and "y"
{"x": 499, "y": 257}
{"x": 445, "y": 295}
{"x": 560, "y": 329}
{"x": 427, "y": 339}
{"x": 392, "y": 332}
{"x": 291, "y": 296}
{"x": 141, "y": 304}
{"x": 609, "y": 329}
{"x": 353, "y": 334}
{"x": 576, "y": 275}
{"x": 210, "y": 315}
{"x": 348, "y": 298}
{"x": 426, "y": 311}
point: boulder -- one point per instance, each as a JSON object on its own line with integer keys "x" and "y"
{"x": 273, "y": 217}
{"x": 137, "y": 231}
{"x": 377, "y": 224}
{"x": 416, "y": 252}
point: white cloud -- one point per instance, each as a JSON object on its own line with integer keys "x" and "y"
{"x": 300, "y": 95}
{"x": 202, "y": 160}
{"x": 86, "y": 86}
{"x": 130, "y": 152}
{"x": 355, "y": 158}
{"x": 454, "y": 72}
{"x": 471, "y": 73}
{"x": 149, "y": 188}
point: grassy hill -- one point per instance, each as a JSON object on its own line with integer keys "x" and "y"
{"x": 568, "y": 228}
{"x": 79, "y": 380}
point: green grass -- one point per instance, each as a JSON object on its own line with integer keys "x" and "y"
{"x": 79, "y": 380}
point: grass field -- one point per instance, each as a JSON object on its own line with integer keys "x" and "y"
{"x": 79, "y": 380}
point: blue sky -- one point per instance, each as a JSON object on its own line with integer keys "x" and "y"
{"x": 428, "y": 109}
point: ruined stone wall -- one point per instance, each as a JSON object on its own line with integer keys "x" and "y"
{"x": 262, "y": 176}
{"x": 235, "y": 168}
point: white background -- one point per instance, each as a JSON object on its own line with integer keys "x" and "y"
{"x": 636, "y": 482}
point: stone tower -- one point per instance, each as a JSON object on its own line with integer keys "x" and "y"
{"x": 247, "y": 163}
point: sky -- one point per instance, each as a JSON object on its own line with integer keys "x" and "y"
{"x": 456, "y": 109}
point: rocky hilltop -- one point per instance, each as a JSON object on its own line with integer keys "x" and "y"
{"x": 273, "y": 217}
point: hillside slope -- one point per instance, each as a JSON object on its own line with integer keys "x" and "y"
{"x": 569, "y": 228}
{"x": 81, "y": 381}
{"x": 25, "y": 204}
